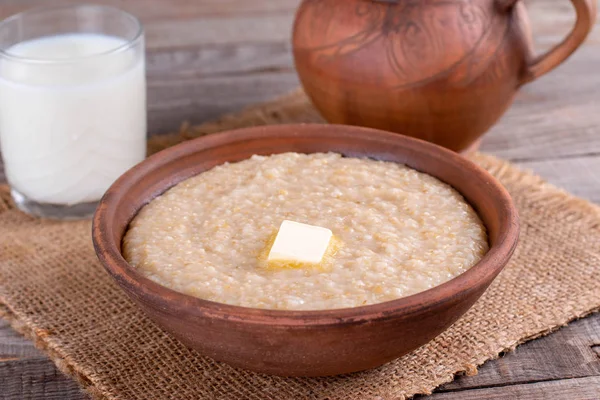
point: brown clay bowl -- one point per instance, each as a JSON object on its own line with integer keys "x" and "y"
{"x": 304, "y": 343}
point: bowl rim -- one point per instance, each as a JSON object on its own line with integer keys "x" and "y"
{"x": 481, "y": 274}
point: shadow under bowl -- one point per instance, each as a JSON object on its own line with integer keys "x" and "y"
{"x": 304, "y": 343}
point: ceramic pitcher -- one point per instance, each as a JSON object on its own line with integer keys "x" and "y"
{"x": 440, "y": 70}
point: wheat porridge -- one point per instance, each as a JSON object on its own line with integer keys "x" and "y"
{"x": 397, "y": 232}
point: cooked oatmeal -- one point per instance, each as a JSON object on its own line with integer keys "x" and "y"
{"x": 399, "y": 232}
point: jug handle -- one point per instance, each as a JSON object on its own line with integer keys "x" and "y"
{"x": 540, "y": 65}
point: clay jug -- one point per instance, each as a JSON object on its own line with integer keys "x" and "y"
{"x": 440, "y": 70}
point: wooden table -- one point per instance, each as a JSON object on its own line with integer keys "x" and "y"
{"x": 209, "y": 57}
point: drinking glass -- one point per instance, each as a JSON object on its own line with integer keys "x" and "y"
{"x": 72, "y": 105}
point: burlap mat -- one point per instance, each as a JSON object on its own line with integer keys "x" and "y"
{"x": 53, "y": 290}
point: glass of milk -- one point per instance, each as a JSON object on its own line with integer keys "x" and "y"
{"x": 72, "y": 105}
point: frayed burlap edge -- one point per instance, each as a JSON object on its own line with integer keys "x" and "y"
{"x": 290, "y": 109}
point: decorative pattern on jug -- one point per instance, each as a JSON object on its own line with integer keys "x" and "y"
{"x": 411, "y": 43}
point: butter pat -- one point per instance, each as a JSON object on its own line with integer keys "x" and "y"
{"x": 299, "y": 244}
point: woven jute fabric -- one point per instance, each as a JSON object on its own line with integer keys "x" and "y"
{"x": 54, "y": 290}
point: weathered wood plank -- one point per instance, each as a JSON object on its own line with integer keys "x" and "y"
{"x": 224, "y": 60}
{"x": 578, "y": 175}
{"x": 160, "y": 10}
{"x": 14, "y": 346}
{"x": 550, "y": 20}
{"x": 172, "y": 101}
{"x": 565, "y": 354}
{"x": 36, "y": 378}
{"x": 539, "y": 360}
{"x": 526, "y": 131}
{"x": 567, "y": 389}
{"x": 168, "y": 25}
{"x": 220, "y": 30}
{"x": 569, "y": 94}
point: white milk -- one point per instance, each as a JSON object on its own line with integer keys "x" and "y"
{"x": 69, "y": 128}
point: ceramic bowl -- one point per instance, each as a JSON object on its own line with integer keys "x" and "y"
{"x": 304, "y": 343}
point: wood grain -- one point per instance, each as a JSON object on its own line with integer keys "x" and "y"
{"x": 160, "y": 10}
{"x": 555, "y": 116}
{"x": 219, "y": 60}
{"x": 538, "y": 361}
{"x": 566, "y": 354}
{"x": 583, "y": 179}
{"x": 214, "y": 56}
{"x": 35, "y": 378}
{"x": 14, "y": 346}
{"x": 174, "y": 100}
{"x": 566, "y": 389}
